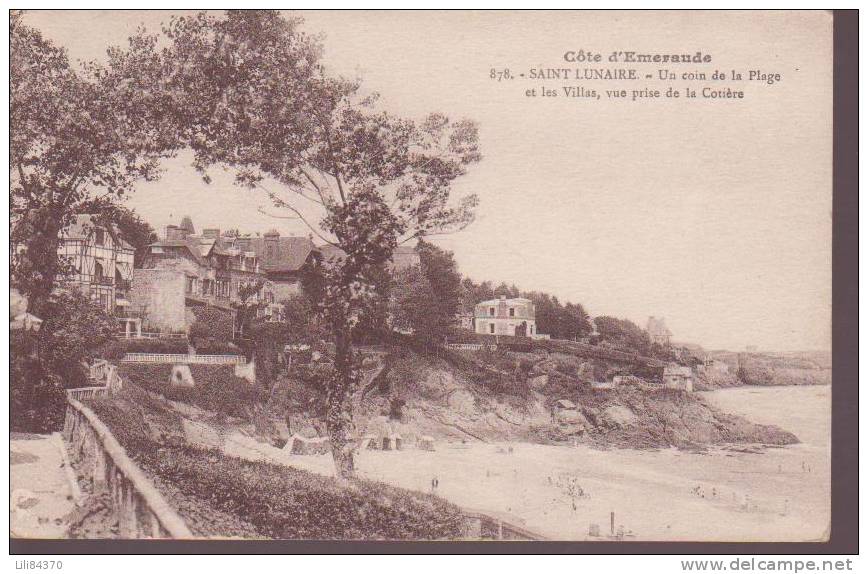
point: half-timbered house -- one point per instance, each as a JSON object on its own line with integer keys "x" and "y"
{"x": 100, "y": 262}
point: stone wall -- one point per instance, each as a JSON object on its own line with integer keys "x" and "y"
{"x": 160, "y": 293}
{"x": 285, "y": 289}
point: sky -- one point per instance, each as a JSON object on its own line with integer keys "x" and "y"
{"x": 715, "y": 214}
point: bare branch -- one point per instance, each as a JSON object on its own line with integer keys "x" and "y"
{"x": 300, "y": 217}
{"x": 420, "y": 235}
{"x": 313, "y": 183}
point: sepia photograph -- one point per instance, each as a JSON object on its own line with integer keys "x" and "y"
{"x": 453, "y": 276}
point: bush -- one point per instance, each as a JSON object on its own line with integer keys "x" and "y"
{"x": 46, "y": 362}
{"x": 213, "y": 323}
{"x": 280, "y": 502}
{"x": 37, "y": 397}
{"x": 215, "y": 347}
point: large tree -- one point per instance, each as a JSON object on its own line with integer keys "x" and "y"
{"x": 247, "y": 91}
{"x": 70, "y": 143}
{"x": 427, "y": 297}
{"x": 623, "y": 334}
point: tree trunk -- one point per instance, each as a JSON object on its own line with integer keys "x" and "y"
{"x": 339, "y": 408}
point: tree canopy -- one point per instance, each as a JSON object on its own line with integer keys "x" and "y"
{"x": 244, "y": 91}
{"x": 69, "y": 144}
{"x": 426, "y": 297}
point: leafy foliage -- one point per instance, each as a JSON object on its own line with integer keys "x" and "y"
{"x": 217, "y": 388}
{"x": 427, "y": 297}
{"x": 74, "y": 328}
{"x": 36, "y": 396}
{"x": 244, "y": 91}
{"x": 55, "y": 358}
{"x": 68, "y": 138}
{"x": 212, "y": 324}
{"x": 622, "y": 334}
{"x": 250, "y": 94}
{"x": 129, "y": 224}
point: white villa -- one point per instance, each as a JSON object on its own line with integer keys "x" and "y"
{"x": 504, "y": 316}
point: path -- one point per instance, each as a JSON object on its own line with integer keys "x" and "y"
{"x": 40, "y": 491}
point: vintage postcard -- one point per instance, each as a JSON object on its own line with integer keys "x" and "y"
{"x": 438, "y": 275}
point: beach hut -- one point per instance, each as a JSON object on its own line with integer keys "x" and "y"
{"x": 426, "y": 443}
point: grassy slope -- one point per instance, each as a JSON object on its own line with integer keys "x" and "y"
{"x": 224, "y": 496}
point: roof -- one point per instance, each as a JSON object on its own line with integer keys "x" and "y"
{"x": 507, "y": 301}
{"x": 403, "y": 256}
{"x": 564, "y": 403}
{"x": 190, "y": 244}
{"x": 290, "y": 255}
{"x": 82, "y": 226}
{"x": 676, "y": 370}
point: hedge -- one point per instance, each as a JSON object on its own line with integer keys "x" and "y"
{"x": 214, "y": 347}
{"x": 217, "y": 388}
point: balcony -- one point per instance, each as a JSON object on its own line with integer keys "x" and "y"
{"x": 104, "y": 280}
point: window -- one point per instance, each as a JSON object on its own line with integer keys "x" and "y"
{"x": 100, "y": 236}
{"x": 491, "y": 311}
{"x": 512, "y": 311}
{"x": 97, "y": 269}
{"x": 491, "y": 328}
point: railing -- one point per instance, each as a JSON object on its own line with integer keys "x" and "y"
{"x": 99, "y": 370}
{"x": 469, "y": 346}
{"x": 184, "y": 359}
{"x": 104, "y": 280}
{"x": 82, "y": 393}
{"x": 105, "y": 375}
{"x": 141, "y": 510}
{"x": 485, "y": 526}
{"x": 152, "y": 335}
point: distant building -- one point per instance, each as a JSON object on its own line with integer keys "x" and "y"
{"x": 282, "y": 259}
{"x": 403, "y": 256}
{"x": 515, "y": 317}
{"x": 678, "y": 377}
{"x": 101, "y": 261}
{"x": 658, "y": 332}
{"x": 183, "y": 271}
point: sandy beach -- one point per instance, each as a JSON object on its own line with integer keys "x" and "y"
{"x": 725, "y": 494}
{"x": 733, "y": 493}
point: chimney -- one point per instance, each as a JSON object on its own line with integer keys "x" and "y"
{"x": 173, "y": 232}
{"x": 211, "y": 233}
{"x": 272, "y": 246}
{"x": 187, "y": 225}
